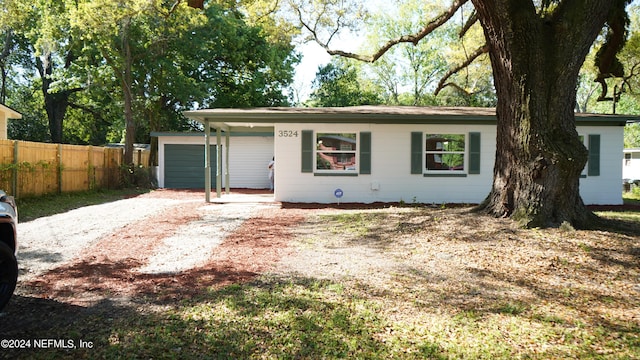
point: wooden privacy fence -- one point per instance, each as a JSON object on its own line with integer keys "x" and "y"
{"x": 32, "y": 169}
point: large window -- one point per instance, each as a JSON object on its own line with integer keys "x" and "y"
{"x": 336, "y": 151}
{"x": 444, "y": 152}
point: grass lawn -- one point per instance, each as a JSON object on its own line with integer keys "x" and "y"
{"x": 433, "y": 283}
{"x": 34, "y": 207}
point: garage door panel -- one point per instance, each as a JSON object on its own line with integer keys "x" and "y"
{"x": 184, "y": 166}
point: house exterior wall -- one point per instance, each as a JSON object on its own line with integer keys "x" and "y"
{"x": 248, "y": 158}
{"x": 605, "y": 188}
{"x": 3, "y": 127}
{"x": 391, "y": 180}
{"x": 388, "y": 176}
{"x": 631, "y": 164}
{"x": 6, "y": 114}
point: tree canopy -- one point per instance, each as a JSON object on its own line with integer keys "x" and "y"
{"x": 106, "y": 71}
{"x": 338, "y": 84}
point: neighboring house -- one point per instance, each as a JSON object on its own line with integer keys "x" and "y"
{"x": 631, "y": 165}
{"x": 6, "y": 113}
{"x": 369, "y": 153}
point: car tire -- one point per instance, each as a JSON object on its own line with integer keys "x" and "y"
{"x": 8, "y": 274}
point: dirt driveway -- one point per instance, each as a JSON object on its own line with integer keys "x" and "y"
{"x": 163, "y": 245}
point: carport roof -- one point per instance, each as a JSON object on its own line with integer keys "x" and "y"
{"x": 222, "y": 118}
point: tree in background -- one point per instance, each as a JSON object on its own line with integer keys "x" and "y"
{"x": 468, "y": 80}
{"x": 240, "y": 65}
{"x": 118, "y": 70}
{"x": 413, "y": 74}
{"x": 408, "y": 72}
{"x": 54, "y": 54}
{"x": 338, "y": 84}
{"x": 622, "y": 92}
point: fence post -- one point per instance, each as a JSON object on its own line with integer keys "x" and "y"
{"x": 59, "y": 170}
{"x": 89, "y": 166}
{"x": 14, "y": 177}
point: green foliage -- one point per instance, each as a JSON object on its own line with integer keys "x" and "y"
{"x": 33, "y": 126}
{"x": 178, "y": 58}
{"x": 408, "y": 73}
{"x": 31, "y": 208}
{"x": 136, "y": 176}
{"x": 235, "y": 65}
{"x": 632, "y": 136}
{"x": 338, "y": 84}
{"x": 606, "y": 58}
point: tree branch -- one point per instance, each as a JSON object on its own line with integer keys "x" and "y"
{"x": 473, "y": 18}
{"x": 271, "y": 10}
{"x": 443, "y": 82}
{"x": 95, "y": 113}
{"x": 411, "y": 38}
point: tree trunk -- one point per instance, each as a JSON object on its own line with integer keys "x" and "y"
{"x": 56, "y": 107}
{"x": 130, "y": 126}
{"x": 535, "y": 61}
{"x": 4, "y": 58}
{"x": 55, "y": 104}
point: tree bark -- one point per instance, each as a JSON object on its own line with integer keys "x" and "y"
{"x": 55, "y": 104}
{"x": 130, "y": 126}
{"x": 536, "y": 61}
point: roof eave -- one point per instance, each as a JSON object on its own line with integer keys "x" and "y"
{"x": 376, "y": 115}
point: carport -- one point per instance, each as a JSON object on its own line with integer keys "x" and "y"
{"x": 221, "y": 121}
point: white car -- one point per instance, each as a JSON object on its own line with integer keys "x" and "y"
{"x": 8, "y": 248}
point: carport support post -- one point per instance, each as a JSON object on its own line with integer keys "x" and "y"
{"x": 218, "y": 163}
{"x": 207, "y": 161}
{"x": 226, "y": 163}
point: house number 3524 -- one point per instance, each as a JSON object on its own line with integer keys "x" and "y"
{"x": 288, "y": 133}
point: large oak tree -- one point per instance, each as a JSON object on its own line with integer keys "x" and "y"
{"x": 537, "y": 48}
{"x": 536, "y": 55}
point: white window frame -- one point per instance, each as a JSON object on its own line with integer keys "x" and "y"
{"x": 464, "y": 153}
{"x": 355, "y": 152}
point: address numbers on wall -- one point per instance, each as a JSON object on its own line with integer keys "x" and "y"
{"x": 287, "y": 133}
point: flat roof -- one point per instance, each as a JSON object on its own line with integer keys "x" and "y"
{"x": 376, "y": 114}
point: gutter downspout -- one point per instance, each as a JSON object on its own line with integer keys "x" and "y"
{"x": 226, "y": 164}
{"x": 207, "y": 161}
{"x": 218, "y": 164}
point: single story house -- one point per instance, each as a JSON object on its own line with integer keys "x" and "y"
{"x": 368, "y": 153}
{"x": 6, "y": 113}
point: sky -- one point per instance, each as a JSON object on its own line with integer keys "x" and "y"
{"x": 313, "y": 56}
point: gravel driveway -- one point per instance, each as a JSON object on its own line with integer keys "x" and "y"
{"x": 52, "y": 241}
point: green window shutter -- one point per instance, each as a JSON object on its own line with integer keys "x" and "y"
{"x": 365, "y": 152}
{"x": 307, "y": 151}
{"x": 593, "y": 168}
{"x": 416, "y": 153}
{"x": 474, "y": 153}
